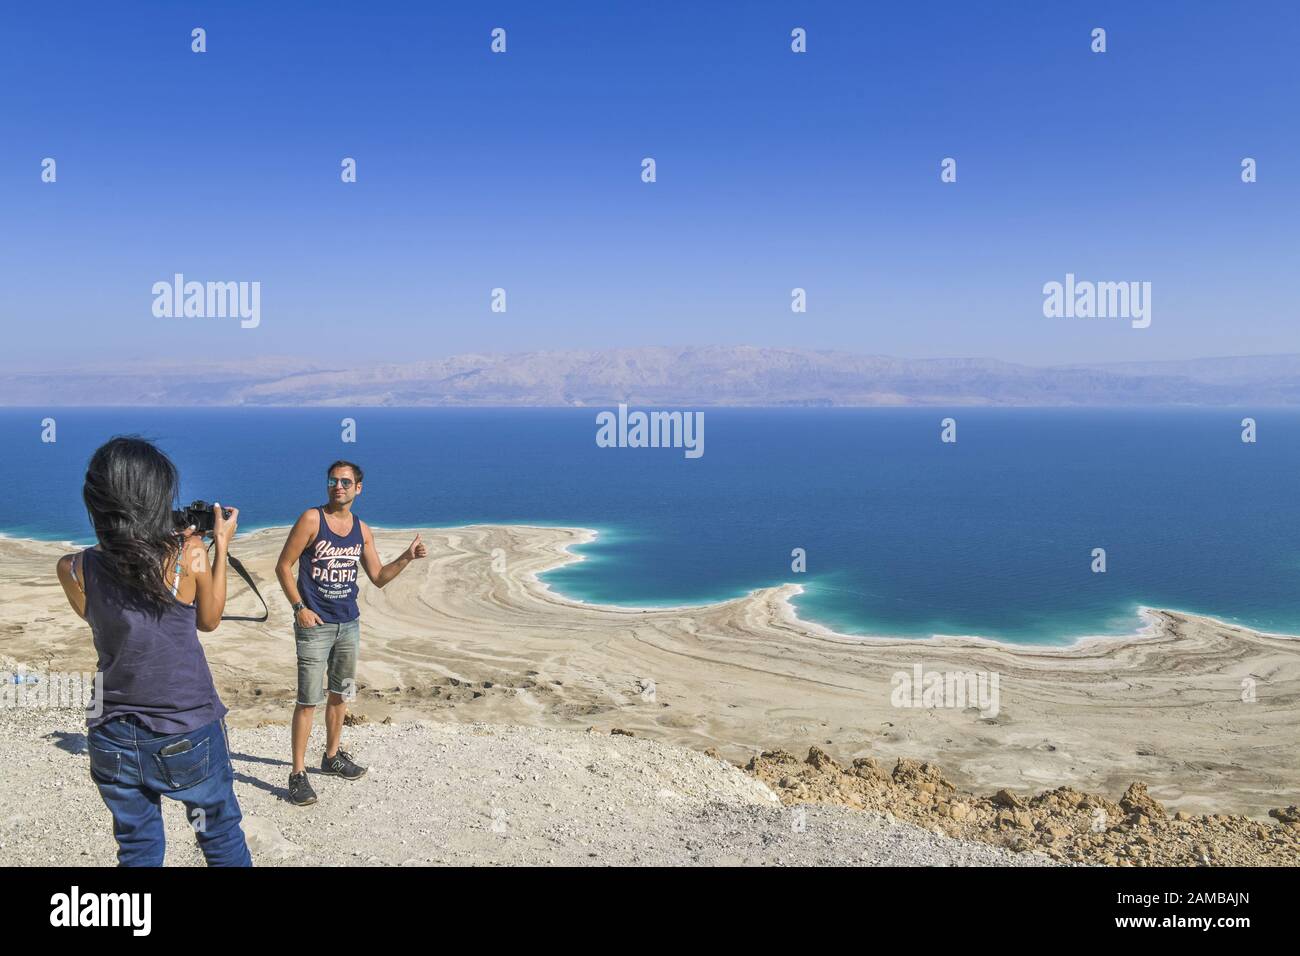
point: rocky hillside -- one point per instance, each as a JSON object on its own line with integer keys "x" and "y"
{"x": 474, "y": 794}
{"x": 735, "y": 375}
{"x": 1063, "y": 823}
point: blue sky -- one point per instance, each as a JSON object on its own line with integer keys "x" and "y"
{"x": 522, "y": 171}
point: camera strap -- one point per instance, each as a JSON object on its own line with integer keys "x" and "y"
{"x": 243, "y": 573}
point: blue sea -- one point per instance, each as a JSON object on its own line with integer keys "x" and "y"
{"x": 904, "y": 535}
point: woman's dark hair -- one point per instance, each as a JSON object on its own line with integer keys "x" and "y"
{"x": 130, "y": 491}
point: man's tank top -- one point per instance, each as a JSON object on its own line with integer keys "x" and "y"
{"x": 327, "y": 572}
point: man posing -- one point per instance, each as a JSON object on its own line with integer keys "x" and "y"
{"x": 328, "y": 543}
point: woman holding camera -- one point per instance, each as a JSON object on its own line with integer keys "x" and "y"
{"x": 147, "y": 588}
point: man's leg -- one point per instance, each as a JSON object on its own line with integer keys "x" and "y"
{"x": 303, "y": 717}
{"x": 343, "y": 688}
{"x": 313, "y": 646}
{"x": 342, "y": 683}
{"x": 335, "y": 711}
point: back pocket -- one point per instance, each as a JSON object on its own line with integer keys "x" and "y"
{"x": 187, "y": 768}
{"x": 104, "y": 765}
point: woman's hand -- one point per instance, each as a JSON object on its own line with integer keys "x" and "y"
{"x": 223, "y": 528}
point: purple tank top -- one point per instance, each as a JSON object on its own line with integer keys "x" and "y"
{"x": 152, "y": 664}
{"x": 327, "y": 572}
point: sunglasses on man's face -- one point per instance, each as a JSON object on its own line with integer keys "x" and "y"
{"x": 345, "y": 482}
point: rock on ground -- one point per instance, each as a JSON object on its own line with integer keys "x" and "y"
{"x": 1063, "y": 823}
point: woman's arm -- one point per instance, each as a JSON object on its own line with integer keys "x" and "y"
{"x": 72, "y": 585}
{"x": 210, "y": 581}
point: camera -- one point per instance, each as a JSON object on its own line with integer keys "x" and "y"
{"x": 199, "y": 515}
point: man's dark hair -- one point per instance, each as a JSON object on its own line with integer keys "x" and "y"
{"x": 356, "y": 470}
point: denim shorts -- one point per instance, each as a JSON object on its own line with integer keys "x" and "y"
{"x": 327, "y": 649}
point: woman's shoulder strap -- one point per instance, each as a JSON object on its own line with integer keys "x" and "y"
{"x": 77, "y": 567}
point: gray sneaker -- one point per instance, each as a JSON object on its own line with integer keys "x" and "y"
{"x": 342, "y": 765}
{"x": 301, "y": 793}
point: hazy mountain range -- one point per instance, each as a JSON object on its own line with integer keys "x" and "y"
{"x": 732, "y": 375}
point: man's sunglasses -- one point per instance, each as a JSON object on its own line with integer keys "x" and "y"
{"x": 345, "y": 482}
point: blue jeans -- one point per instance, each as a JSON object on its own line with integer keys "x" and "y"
{"x": 128, "y": 765}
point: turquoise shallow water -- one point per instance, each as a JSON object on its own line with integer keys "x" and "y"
{"x": 904, "y": 535}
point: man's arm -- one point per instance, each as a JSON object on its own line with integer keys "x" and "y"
{"x": 304, "y": 530}
{"x": 378, "y": 573}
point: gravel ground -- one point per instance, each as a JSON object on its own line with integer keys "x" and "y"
{"x": 465, "y": 794}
